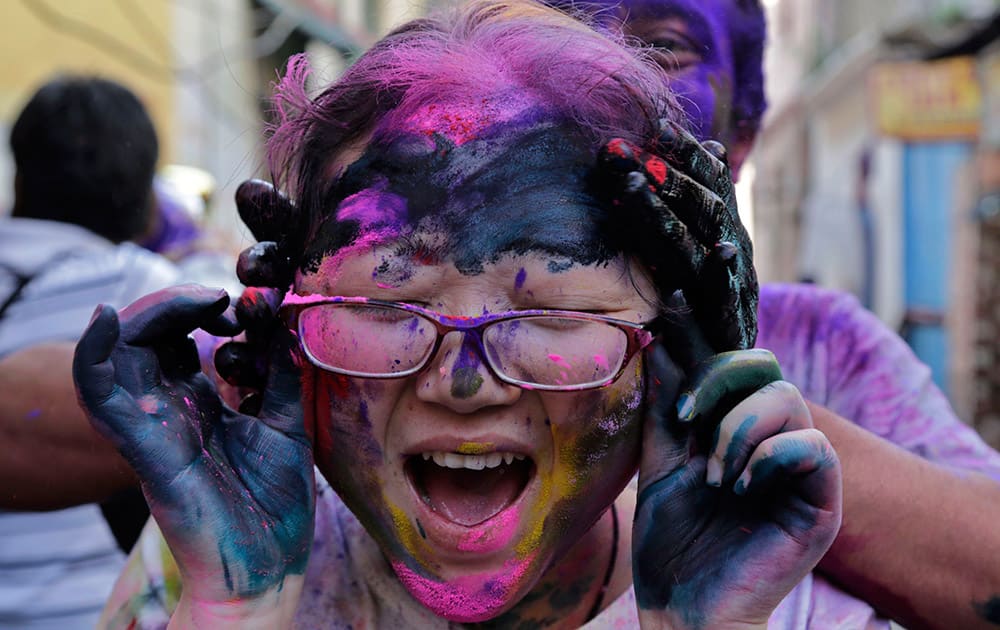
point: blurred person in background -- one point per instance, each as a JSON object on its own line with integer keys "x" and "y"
{"x": 85, "y": 151}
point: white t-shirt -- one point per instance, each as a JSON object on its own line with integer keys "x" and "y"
{"x": 57, "y": 568}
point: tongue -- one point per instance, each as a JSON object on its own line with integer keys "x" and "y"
{"x": 469, "y": 497}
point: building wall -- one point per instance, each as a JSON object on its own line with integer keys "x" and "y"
{"x": 93, "y": 37}
{"x": 190, "y": 62}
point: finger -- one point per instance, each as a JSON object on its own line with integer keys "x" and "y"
{"x": 257, "y": 310}
{"x": 725, "y": 299}
{"x": 281, "y": 406}
{"x": 619, "y": 156}
{"x": 111, "y": 409}
{"x": 699, "y": 160}
{"x": 241, "y": 365}
{"x": 723, "y": 381}
{"x": 775, "y": 408}
{"x": 804, "y": 456}
{"x": 665, "y": 238}
{"x": 665, "y": 441}
{"x": 268, "y": 213}
{"x": 718, "y": 151}
{"x": 671, "y": 181}
{"x": 700, "y": 207}
{"x": 171, "y": 313}
{"x": 266, "y": 265}
{"x": 224, "y": 325}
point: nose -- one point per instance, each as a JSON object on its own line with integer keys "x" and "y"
{"x": 459, "y": 378}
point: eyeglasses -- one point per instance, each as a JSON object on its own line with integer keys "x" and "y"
{"x": 533, "y": 349}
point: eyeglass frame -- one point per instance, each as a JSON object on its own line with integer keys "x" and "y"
{"x": 639, "y": 335}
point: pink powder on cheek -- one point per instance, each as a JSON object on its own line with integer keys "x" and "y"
{"x": 469, "y": 598}
{"x": 489, "y": 539}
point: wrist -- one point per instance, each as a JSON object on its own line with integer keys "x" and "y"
{"x": 673, "y": 620}
{"x": 274, "y": 608}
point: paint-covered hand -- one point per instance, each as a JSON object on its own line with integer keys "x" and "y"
{"x": 233, "y": 495}
{"x": 739, "y": 496}
{"x": 682, "y": 214}
{"x": 277, "y": 225}
{"x": 267, "y": 270}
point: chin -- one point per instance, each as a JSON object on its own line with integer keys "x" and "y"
{"x": 471, "y": 597}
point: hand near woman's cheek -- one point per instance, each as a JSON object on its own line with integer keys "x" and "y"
{"x": 233, "y": 495}
{"x": 679, "y": 207}
{"x": 739, "y": 497}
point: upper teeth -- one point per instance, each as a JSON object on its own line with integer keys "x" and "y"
{"x": 472, "y": 462}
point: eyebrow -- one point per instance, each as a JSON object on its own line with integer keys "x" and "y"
{"x": 692, "y": 14}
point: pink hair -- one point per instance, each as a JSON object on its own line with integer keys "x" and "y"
{"x": 489, "y": 51}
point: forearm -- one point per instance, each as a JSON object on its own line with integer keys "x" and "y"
{"x": 918, "y": 541}
{"x": 53, "y": 457}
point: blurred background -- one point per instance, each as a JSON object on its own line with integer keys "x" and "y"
{"x": 877, "y": 170}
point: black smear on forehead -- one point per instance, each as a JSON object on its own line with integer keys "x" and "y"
{"x": 515, "y": 191}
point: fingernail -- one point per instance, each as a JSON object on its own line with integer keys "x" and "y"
{"x": 717, "y": 150}
{"x": 713, "y": 476}
{"x": 740, "y": 487}
{"x": 635, "y": 181}
{"x": 726, "y": 252}
{"x": 96, "y": 314}
{"x": 685, "y": 406}
{"x": 667, "y": 134}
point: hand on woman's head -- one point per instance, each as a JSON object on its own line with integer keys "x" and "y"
{"x": 267, "y": 268}
{"x": 680, "y": 209}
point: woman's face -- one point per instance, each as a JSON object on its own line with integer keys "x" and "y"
{"x": 473, "y": 487}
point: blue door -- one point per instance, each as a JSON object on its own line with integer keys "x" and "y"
{"x": 929, "y": 176}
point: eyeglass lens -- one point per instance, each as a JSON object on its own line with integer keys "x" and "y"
{"x": 373, "y": 340}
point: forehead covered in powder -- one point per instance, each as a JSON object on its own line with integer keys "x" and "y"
{"x": 522, "y": 185}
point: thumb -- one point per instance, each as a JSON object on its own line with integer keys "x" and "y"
{"x": 110, "y": 408}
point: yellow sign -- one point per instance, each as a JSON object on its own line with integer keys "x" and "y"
{"x": 933, "y": 100}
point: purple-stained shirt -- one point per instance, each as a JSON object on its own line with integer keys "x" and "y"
{"x": 841, "y": 356}
{"x": 838, "y": 354}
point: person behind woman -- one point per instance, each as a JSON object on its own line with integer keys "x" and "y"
{"x": 486, "y": 341}
{"x": 85, "y": 151}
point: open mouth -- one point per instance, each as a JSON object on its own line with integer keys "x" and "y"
{"x": 469, "y": 489}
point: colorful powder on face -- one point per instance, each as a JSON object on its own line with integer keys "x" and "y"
{"x": 516, "y": 190}
{"x": 408, "y": 535}
{"x": 469, "y": 598}
{"x": 522, "y": 275}
{"x": 475, "y": 448}
{"x": 494, "y": 537}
